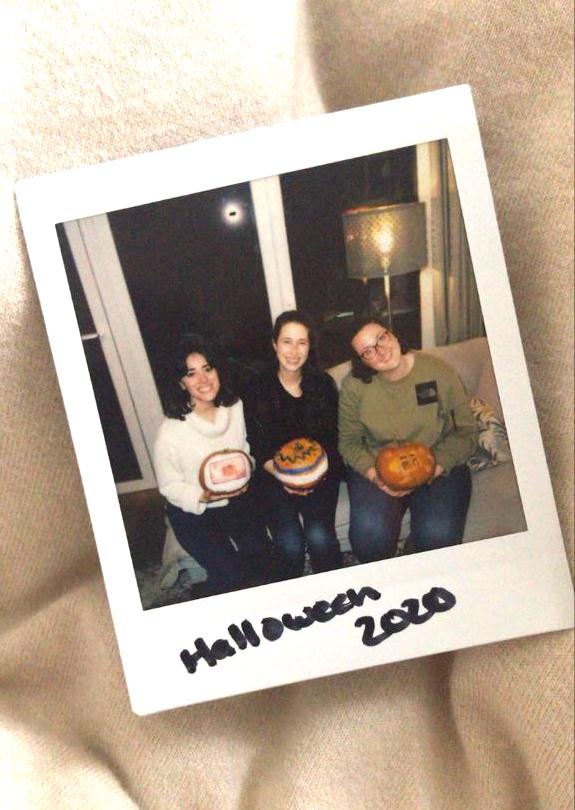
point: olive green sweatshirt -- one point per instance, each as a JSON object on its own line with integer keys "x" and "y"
{"x": 428, "y": 405}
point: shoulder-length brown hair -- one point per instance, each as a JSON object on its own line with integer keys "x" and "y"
{"x": 176, "y": 400}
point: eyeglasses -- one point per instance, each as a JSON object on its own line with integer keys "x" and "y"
{"x": 370, "y": 351}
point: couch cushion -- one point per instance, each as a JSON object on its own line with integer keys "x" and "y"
{"x": 487, "y": 389}
{"x": 469, "y": 358}
{"x": 339, "y": 372}
{"x": 495, "y": 509}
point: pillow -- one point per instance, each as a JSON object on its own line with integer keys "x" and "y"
{"x": 492, "y": 443}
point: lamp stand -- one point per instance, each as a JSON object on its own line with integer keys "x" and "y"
{"x": 385, "y": 262}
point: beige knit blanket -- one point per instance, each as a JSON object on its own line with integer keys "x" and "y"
{"x": 88, "y": 81}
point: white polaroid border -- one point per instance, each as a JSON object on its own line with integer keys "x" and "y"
{"x": 505, "y": 587}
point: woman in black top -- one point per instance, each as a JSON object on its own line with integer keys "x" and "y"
{"x": 293, "y": 400}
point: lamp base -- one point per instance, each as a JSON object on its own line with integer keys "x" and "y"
{"x": 387, "y": 288}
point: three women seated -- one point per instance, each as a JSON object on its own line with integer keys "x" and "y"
{"x": 391, "y": 396}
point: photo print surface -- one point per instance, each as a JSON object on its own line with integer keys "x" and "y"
{"x": 195, "y": 265}
{"x": 286, "y": 372}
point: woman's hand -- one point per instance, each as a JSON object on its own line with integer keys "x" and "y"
{"x": 298, "y": 491}
{"x": 372, "y": 476}
{"x": 269, "y": 467}
{"x": 211, "y": 497}
{"x": 436, "y": 473}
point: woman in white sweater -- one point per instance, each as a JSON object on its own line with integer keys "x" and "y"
{"x": 204, "y": 416}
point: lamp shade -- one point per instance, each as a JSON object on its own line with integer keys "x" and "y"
{"x": 384, "y": 239}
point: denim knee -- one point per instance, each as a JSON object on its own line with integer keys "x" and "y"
{"x": 370, "y": 540}
{"x": 318, "y": 535}
{"x": 438, "y": 513}
{"x": 324, "y": 550}
{"x": 431, "y": 534}
{"x": 289, "y": 553}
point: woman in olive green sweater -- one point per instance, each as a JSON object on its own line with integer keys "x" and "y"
{"x": 395, "y": 396}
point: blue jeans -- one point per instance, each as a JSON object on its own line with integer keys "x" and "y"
{"x": 292, "y": 536}
{"x": 207, "y": 538}
{"x": 438, "y": 512}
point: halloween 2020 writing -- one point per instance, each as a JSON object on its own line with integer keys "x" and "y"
{"x": 243, "y": 635}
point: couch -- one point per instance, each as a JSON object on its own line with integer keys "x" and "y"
{"x": 495, "y": 507}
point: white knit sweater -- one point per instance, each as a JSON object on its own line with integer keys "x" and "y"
{"x": 181, "y": 447}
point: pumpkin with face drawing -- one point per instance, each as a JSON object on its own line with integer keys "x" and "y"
{"x": 300, "y": 464}
{"x": 405, "y": 466}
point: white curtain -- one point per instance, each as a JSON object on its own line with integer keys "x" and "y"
{"x": 456, "y": 308}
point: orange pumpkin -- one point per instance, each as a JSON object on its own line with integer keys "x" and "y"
{"x": 405, "y": 466}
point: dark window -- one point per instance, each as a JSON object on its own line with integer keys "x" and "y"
{"x": 122, "y": 457}
{"x": 314, "y": 200}
{"x": 192, "y": 264}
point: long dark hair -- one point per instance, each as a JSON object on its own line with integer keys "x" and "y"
{"x": 313, "y": 378}
{"x": 358, "y": 368}
{"x": 176, "y": 400}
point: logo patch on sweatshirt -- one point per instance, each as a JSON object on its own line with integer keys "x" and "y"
{"x": 426, "y": 392}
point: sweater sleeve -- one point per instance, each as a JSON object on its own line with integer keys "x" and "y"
{"x": 351, "y": 431}
{"x": 459, "y": 438}
{"x": 171, "y": 482}
{"x": 244, "y": 442}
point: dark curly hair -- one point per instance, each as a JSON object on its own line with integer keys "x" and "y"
{"x": 176, "y": 400}
{"x": 358, "y": 368}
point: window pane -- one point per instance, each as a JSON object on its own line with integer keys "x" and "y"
{"x": 121, "y": 453}
{"x": 192, "y": 264}
{"x": 123, "y": 460}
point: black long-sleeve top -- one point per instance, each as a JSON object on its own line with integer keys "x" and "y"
{"x": 273, "y": 416}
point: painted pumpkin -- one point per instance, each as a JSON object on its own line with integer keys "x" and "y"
{"x": 225, "y": 472}
{"x": 300, "y": 464}
{"x": 405, "y": 466}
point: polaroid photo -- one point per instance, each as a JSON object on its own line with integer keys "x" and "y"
{"x": 298, "y": 398}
